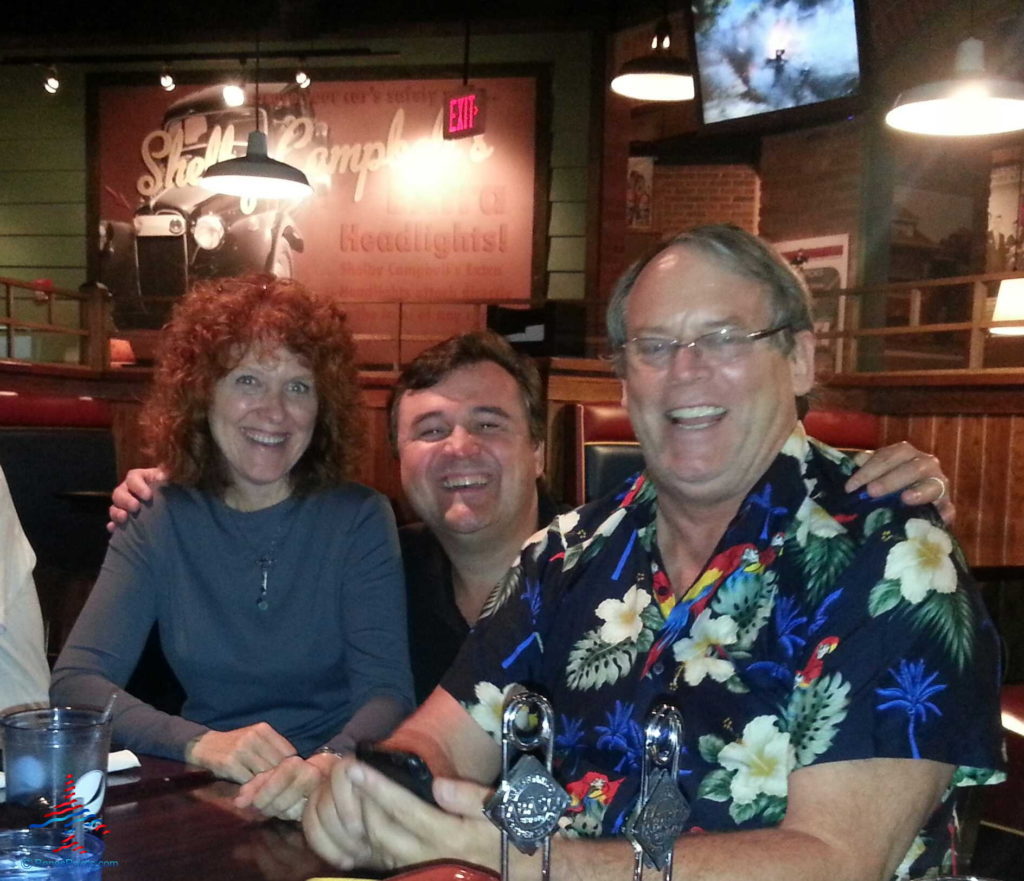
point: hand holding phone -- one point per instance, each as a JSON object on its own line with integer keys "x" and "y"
{"x": 406, "y": 769}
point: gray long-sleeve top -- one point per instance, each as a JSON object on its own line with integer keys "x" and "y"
{"x": 326, "y": 660}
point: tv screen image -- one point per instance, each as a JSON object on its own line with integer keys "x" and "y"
{"x": 763, "y": 56}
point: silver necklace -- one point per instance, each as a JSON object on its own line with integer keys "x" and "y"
{"x": 266, "y": 563}
{"x": 265, "y": 560}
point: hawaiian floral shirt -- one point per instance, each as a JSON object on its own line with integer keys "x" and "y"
{"x": 826, "y": 626}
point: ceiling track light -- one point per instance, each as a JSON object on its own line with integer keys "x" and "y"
{"x": 233, "y": 94}
{"x": 51, "y": 83}
{"x": 167, "y": 79}
{"x": 658, "y": 76}
{"x": 970, "y": 104}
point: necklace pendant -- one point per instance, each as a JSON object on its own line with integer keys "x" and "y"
{"x": 261, "y": 600}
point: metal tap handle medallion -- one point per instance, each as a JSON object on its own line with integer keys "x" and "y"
{"x": 529, "y": 802}
{"x": 662, "y": 810}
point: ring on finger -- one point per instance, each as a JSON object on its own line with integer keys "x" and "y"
{"x": 942, "y": 488}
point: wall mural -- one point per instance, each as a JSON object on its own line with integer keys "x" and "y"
{"x": 398, "y": 214}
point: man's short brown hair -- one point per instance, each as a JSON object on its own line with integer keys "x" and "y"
{"x": 432, "y": 365}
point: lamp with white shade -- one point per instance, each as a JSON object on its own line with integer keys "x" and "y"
{"x": 659, "y": 75}
{"x": 255, "y": 175}
{"x": 1009, "y": 307}
{"x": 971, "y": 103}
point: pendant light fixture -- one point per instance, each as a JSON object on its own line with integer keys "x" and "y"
{"x": 659, "y": 75}
{"x": 1009, "y": 307}
{"x": 255, "y": 174}
{"x": 971, "y": 103}
{"x": 1010, "y": 294}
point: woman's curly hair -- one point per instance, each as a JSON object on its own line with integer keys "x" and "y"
{"x": 210, "y": 330}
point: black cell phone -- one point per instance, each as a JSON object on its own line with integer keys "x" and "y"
{"x": 406, "y": 769}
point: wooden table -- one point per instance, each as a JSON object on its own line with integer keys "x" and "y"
{"x": 170, "y": 821}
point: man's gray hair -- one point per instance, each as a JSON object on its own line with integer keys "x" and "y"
{"x": 737, "y": 251}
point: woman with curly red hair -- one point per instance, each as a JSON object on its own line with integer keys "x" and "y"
{"x": 275, "y": 582}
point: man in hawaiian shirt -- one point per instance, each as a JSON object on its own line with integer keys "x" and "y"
{"x": 836, "y": 672}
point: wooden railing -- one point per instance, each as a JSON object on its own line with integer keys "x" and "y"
{"x": 913, "y": 327}
{"x": 388, "y": 335}
{"x": 38, "y": 320}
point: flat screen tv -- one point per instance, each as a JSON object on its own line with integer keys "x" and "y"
{"x": 767, "y": 63}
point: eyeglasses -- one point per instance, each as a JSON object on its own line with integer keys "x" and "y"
{"x": 721, "y": 346}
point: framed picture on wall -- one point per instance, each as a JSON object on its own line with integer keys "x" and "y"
{"x": 824, "y": 263}
{"x": 639, "y": 192}
{"x": 398, "y": 215}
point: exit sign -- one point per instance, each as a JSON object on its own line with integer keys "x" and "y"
{"x": 465, "y": 112}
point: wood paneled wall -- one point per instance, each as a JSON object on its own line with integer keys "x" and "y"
{"x": 984, "y": 458}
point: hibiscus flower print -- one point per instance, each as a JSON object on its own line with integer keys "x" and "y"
{"x": 922, "y": 562}
{"x": 622, "y": 617}
{"x": 814, "y": 520}
{"x": 566, "y": 523}
{"x": 760, "y": 760}
{"x": 490, "y": 705}
{"x": 698, "y": 652}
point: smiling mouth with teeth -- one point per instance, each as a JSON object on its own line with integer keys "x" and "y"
{"x": 695, "y": 417}
{"x": 268, "y": 440}
{"x": 466, "y": 482}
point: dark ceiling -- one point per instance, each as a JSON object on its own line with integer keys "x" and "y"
{"x": 71, "y": 23}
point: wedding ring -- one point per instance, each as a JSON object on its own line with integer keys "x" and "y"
{"x": 942, "y": 487}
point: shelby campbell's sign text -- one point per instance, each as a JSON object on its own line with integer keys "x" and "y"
{"x": 399, "y": 211}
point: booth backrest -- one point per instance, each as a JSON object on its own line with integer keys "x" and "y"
{"x": 603, "y": 450}
{"x": 58, "y": 456}
{"x": 59, "y": 459}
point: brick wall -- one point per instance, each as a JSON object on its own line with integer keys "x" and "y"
{"x": 690, "y": 195}
{"x": 684, "y": 196}
{"x": 812, "y": 184}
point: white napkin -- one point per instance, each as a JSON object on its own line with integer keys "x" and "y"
{"x": 119, "y": 761}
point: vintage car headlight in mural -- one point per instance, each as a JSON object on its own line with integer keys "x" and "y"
{"x": 208, "y": 231}
{"x": 181, "y": 232}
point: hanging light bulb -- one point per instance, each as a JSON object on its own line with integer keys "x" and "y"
{"x": 167, "y": 80}
{"x": 971, "y": 103}
{"x": 255, "y": 175}
{"x": 234, "y": 94}
{"x": 1009, "y": 307}
{"x": 302, "y": 79}
{"x": 659, "y": 76}
{"x": 51, "y": 84}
